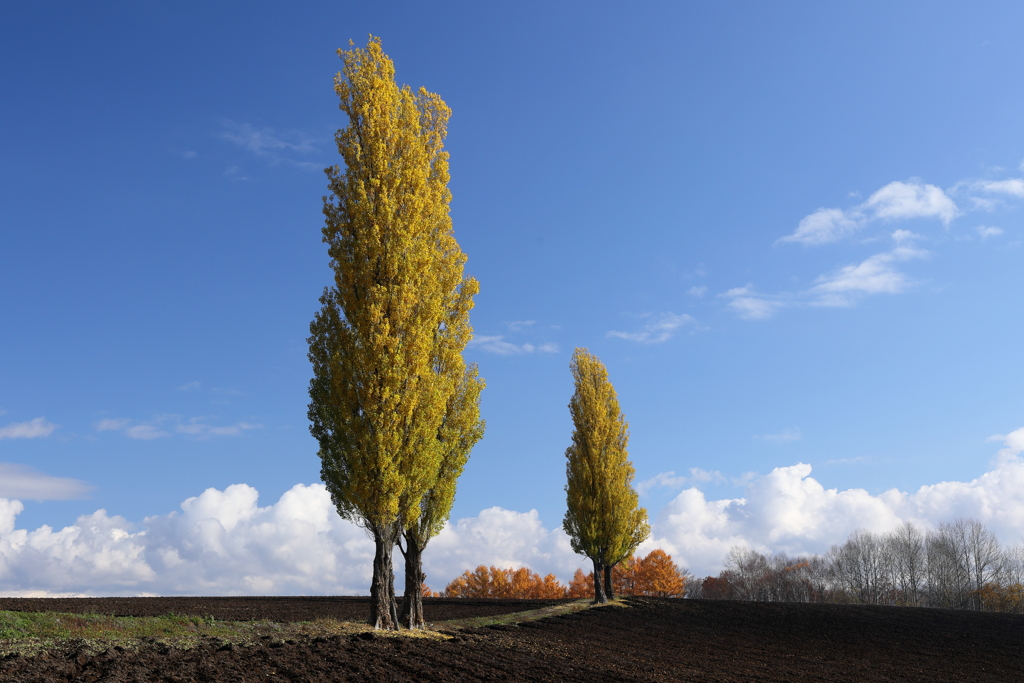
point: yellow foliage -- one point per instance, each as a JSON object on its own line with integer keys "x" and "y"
{"x": 391, "y": 399}
{"x": 603, "y": 521}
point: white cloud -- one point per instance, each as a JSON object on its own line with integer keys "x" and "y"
{"x": 220, "y": 543}
{"x": 1013, "y": 446}
{"x": 499, "y": 537}
{"x": 697, "y": 291}
{"x": 21, "y": 481}
{"x": 895, "y": 201}
{"x": 1013, "y": 187}
{"x": 988, "y": 231}
{"x": 785, "y": 436}
{"x": 823, "y": 226}
{"x": 874, "y": 275}
{"x": 195, "y": 427}
{"x": 112, "y": 424}
{"x": 750, "y": 305}
{"x": 33, "y": 429}
{"x": 673, "y": 481}
{"x": 146, "y": 432}
{"x": 497, "y": 344}
{"x": 659, "y": 328}
{"x": 899, "y": 200}
{"x": 190, "y": 386}
{"x": 223, "y": 543}
{"x": 263, "y": 141}
{"x": 520, "y": 325}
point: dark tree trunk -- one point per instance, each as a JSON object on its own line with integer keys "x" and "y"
{"x": 599, "y": 596}
{"x": 412, "y": 603}
{"x": 609, "y": 586}
{"x": 383, "y": 612}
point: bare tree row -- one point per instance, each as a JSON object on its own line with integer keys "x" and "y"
{"x": 959, "y": 565}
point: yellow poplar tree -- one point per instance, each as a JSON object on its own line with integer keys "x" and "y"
{"x": 460, "y": 429}
{"x": 384, "y": 342}
{"x": 603, "y": 520}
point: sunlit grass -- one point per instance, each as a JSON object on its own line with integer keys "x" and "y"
{"x": 30, "y": 632}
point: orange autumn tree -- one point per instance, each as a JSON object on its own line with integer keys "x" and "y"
{"x": 655, "y": 576}
{"x": 581, "y": 586}
{"x": 492, "y": 582}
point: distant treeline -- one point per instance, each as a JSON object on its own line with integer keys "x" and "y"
{"x": 655, "y": 575}
{"x": 960, "y": 565}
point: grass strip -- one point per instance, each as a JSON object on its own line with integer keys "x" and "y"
{"x": 28, "y": 633}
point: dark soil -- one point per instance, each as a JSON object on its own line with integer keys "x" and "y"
{"x": 650, "y": 640}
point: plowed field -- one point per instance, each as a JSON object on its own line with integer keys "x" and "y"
{"x": 648, "y": 640}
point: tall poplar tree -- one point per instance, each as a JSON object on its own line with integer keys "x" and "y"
{"x": 460, "y": 430}
{"x": 386, "y": 344}
{"x": 603, "y": 520}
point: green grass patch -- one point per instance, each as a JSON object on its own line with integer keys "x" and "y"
{"x": 28, "y": 633}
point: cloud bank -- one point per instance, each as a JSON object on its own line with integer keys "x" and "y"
{"x": 224, "y": 543}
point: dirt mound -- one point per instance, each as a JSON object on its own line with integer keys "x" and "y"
{"x": 650, "y": 640}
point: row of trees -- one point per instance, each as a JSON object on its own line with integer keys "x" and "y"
{"x": 655, "y": 575}
{"x": 958, "y": 565}
{"x": 393, "y": 405}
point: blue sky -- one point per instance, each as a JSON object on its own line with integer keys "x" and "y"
{"x": 792, "y": 231}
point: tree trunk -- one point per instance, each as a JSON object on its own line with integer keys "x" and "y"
{"x": 383, "y": 612}
{"x": 599, "y": 596}
{"x": 609, "y": 586}
{"x": 412, "y": 603}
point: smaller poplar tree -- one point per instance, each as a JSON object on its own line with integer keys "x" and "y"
{"x": 603, "y": 520}
{"x": 459, "y": 432}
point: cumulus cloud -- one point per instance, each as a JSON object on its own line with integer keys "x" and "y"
{"x": 499, "y": 537}
{"x": 697, "y": 291}
{"x": 658, "y": 328}
{"x": 224, "y": 543}
{"x": 497, "y": 344}
{"x": 33, "y": 429}
{"x": 21, "y": 481}
{"x": 219, "y": 543}
{"x": 896, "y": 201}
